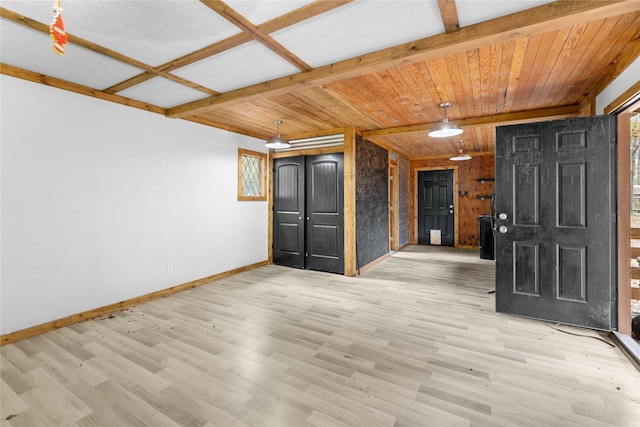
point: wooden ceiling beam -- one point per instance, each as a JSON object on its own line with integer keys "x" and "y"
{"x": 623, "y": 99}
{"x": 449, "y": 13}
{"x": 39, "y": 26}
{"x": 495, "y": 120}
{"x": 540, "y": 19}
{"x": 21, "y": 73}
{"x": 306, "y": 12}
{"x": 211, "y": 123}
{"x": 299, "y": 15}
{"x": 248, "y": 27}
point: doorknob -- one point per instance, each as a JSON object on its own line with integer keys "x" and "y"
{"x": 502, "y": 216}
{"x": 450, "y": 210}
{"x": 503, "y": 229}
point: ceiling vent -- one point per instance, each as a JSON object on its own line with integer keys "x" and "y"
{"x": 315, "y": 142}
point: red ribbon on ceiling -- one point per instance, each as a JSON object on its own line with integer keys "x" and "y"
{"x": 56, "y": 29}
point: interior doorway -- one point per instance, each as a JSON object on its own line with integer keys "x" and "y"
{"x": 436, "y": 208}
{"x": 629, "y": 220}
{"x": 308, "y": 212}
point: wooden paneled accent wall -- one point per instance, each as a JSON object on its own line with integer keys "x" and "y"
{"x": 473, "y": 198}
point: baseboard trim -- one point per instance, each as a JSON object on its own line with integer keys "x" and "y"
{"x": 372, "y": 263}
{"x": 471, "y": 247}
{"x": 107, "y": 309}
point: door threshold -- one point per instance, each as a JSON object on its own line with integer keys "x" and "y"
{"x": 629, "y": 347}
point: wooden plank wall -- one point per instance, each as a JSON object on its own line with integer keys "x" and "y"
{"x": 473, "y": 198}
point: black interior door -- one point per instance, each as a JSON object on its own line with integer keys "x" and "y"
{"x": 435, "y": 206}
{"x": 289, "y": 212}
{"x": 325, "y": 212}
{"x": 555, "y": 229}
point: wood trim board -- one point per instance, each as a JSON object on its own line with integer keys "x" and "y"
{"x": 118, "y": 306}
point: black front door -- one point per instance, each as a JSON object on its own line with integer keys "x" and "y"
{"x": 435, "y": 206}
{"x": 289, "y": 211}
{"x": 555, "y": 226}
{"x": 308, "y": 212}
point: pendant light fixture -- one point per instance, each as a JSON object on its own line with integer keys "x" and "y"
{"x": 277, "y": 141}
{"x": 461, "y": 155}
{"x": 445, "y": 129}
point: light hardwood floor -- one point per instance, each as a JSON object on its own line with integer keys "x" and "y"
{"x": 414, "y": 341}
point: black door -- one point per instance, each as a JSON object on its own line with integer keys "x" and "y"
{"x": 435, "y": 206}
{"x": 325, "y": 212}
{"x": 289, "y": 211}
{"x": 555, "y": 229}
{"x": 308, "y": 212}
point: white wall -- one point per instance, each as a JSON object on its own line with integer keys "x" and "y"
{"x": 98, "y": 198}
{"x": 623, "y": 82}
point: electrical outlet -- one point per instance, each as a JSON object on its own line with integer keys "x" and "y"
{"x": 169, "y": 267}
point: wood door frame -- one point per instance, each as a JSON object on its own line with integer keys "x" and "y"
{"x": 624, "y": 226}
{"x": 624, "y": 215}
{"x": 456, "y": 218}
{"x": 348, "y": 148}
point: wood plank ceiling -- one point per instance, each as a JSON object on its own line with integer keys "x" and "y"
{"x": 545, "y": 62}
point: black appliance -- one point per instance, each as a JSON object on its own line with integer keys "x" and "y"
{"x": 487, "y": 238}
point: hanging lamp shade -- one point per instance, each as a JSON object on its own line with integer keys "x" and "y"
{"x": 277, "y": 141}
{"x": 445, "y": 129}
{"x": 461, "y": 154}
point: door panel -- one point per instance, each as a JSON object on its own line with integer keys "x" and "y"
{"x": 435, "y": 206}
{"x": 325, "y": 215}
{"x": 555, "y": 240}
{"x": 288, "y": 212}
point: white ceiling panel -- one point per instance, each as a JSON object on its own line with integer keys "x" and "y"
{"x": 261, "y": 11}
{"x": 342, "y": 33}
{"x": 242, "y": 66}
{"x": 30, "y": 49}
{"x": 473, "y": 11}
{"x": 154, "y": 32}
{"x": 163, "y": 93}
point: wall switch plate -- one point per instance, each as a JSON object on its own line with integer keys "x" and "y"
{"x": 169, "y": 267}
